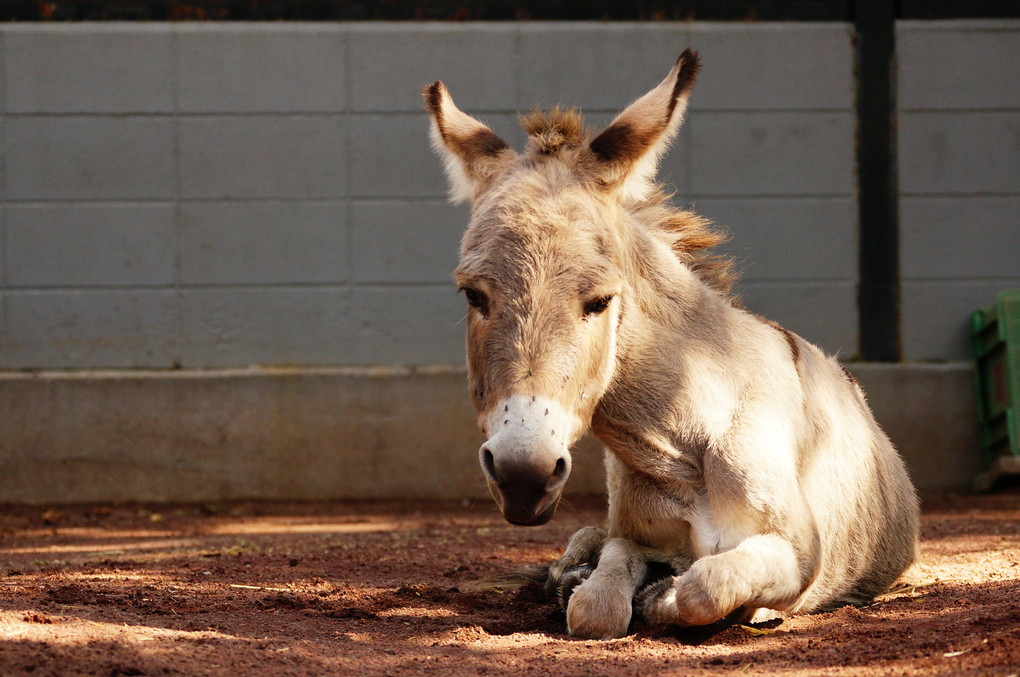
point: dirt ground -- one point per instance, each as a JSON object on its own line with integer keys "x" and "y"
{"x": 373, "y": 588}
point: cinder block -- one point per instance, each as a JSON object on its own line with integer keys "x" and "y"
{"x": 405, "y": 241}
{"x": 390, "y": 157}
{"x": 960, "y": 65}
{"x": 262, "y": 68}
{"x": 824, "y": 313}
{"x": 88, "y": 68}
{"x": 54, "y": 245}
{"x": 390, "y": 64}
{"x": 242, "y": 326}
{"x": 966, "y": 237}
{"x": 594, "y": 66}
{"x": 788, "y": 239}
{"x": 774, "y": 66}
{"x": 374, "y": 436}
{"x": 755, "y": 154}
{"x": 132, "y": 436}
{"x": 4, "y": 131}
{"x": 929, "y": 412}
{"x": 958, "y": 153}
{"x": 263, "y": 243}
{"x": 406, "y": 325}
{"x": 263, "y": 157}
{"x": 90, "y": 329}
{"x": 3, "y": 324}
{"x": 935, "y": 315}
{"x": 89, "y": 158}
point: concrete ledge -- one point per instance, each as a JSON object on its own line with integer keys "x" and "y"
{"x": 346, "y": 433}
{"x": 930, "y": 413}
{"x": 194, "y": 436}
{"x": 216, "y": 435}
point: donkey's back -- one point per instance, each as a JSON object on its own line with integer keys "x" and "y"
{"x": 854, "y": 483}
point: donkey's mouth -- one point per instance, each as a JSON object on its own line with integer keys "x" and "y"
{"x": 526, "y": 513}
{"x": 524, "y": 504}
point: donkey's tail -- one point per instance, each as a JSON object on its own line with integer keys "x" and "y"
{"x": 527, "y": 575}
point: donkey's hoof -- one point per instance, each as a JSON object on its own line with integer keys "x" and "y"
{"x": 599, "y": 612}
{"x": 571, "y": 579}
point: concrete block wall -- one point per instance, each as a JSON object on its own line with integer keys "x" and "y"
{"x": 219, "y": 196}
{"x": 216, "y": 196}
{"x": 959, "y": 177}
{"x": 182, "y": 196}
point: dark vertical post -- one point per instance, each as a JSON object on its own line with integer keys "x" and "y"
{"x": 879, "y": 291}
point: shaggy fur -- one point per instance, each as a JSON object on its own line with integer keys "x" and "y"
{"x": 553, "y": 131}
{"x": 741, "y": 460}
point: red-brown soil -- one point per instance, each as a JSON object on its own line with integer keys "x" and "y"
{"x": 372, "y": 588}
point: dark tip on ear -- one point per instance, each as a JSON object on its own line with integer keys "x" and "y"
{"x": 689, "y": 64}
{"x": 433, "y": 96}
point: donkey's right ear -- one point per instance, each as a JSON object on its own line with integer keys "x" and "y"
{"x": 472, "y": 152}
{"x": 627, "y": 152}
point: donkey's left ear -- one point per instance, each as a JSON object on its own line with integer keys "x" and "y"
{"x": 471, "y": 152}
{"x": 626, "y": 154}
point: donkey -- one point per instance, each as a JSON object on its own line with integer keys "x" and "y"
{"x": 741, "y": 460}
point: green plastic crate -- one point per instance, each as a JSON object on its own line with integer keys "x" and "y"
{"x": 995, "y": 340}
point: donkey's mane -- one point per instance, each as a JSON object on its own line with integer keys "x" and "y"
{"x": 690, "y": 236}
{"x": 552, "y": 131}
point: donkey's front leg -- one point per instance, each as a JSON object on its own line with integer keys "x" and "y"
{"x": 576, "y": 564}
{"x": 762, "y": 571}
{"x": 601, "y": 606}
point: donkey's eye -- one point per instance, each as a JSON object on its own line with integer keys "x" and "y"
{"x": 476, "y": 299}
{"x": 598, "y": 305}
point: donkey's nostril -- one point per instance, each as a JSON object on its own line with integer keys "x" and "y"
{"x": 489, "y": 465}
{"x": 559, "y": 474}
{"x": 560, "y": 469}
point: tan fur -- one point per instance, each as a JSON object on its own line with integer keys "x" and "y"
{"x": 737, "y": 452}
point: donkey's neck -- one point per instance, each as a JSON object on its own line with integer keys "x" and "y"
{"x": 675, "y": 387}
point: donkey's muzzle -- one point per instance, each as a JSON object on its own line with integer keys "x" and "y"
{"x": 527, "y": 490}
{"x": 526, "y": 459}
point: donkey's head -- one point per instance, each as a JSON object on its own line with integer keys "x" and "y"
{"x": 545, "y": 270}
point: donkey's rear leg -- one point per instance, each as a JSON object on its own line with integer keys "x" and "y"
{"x": 578, "y": 561}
